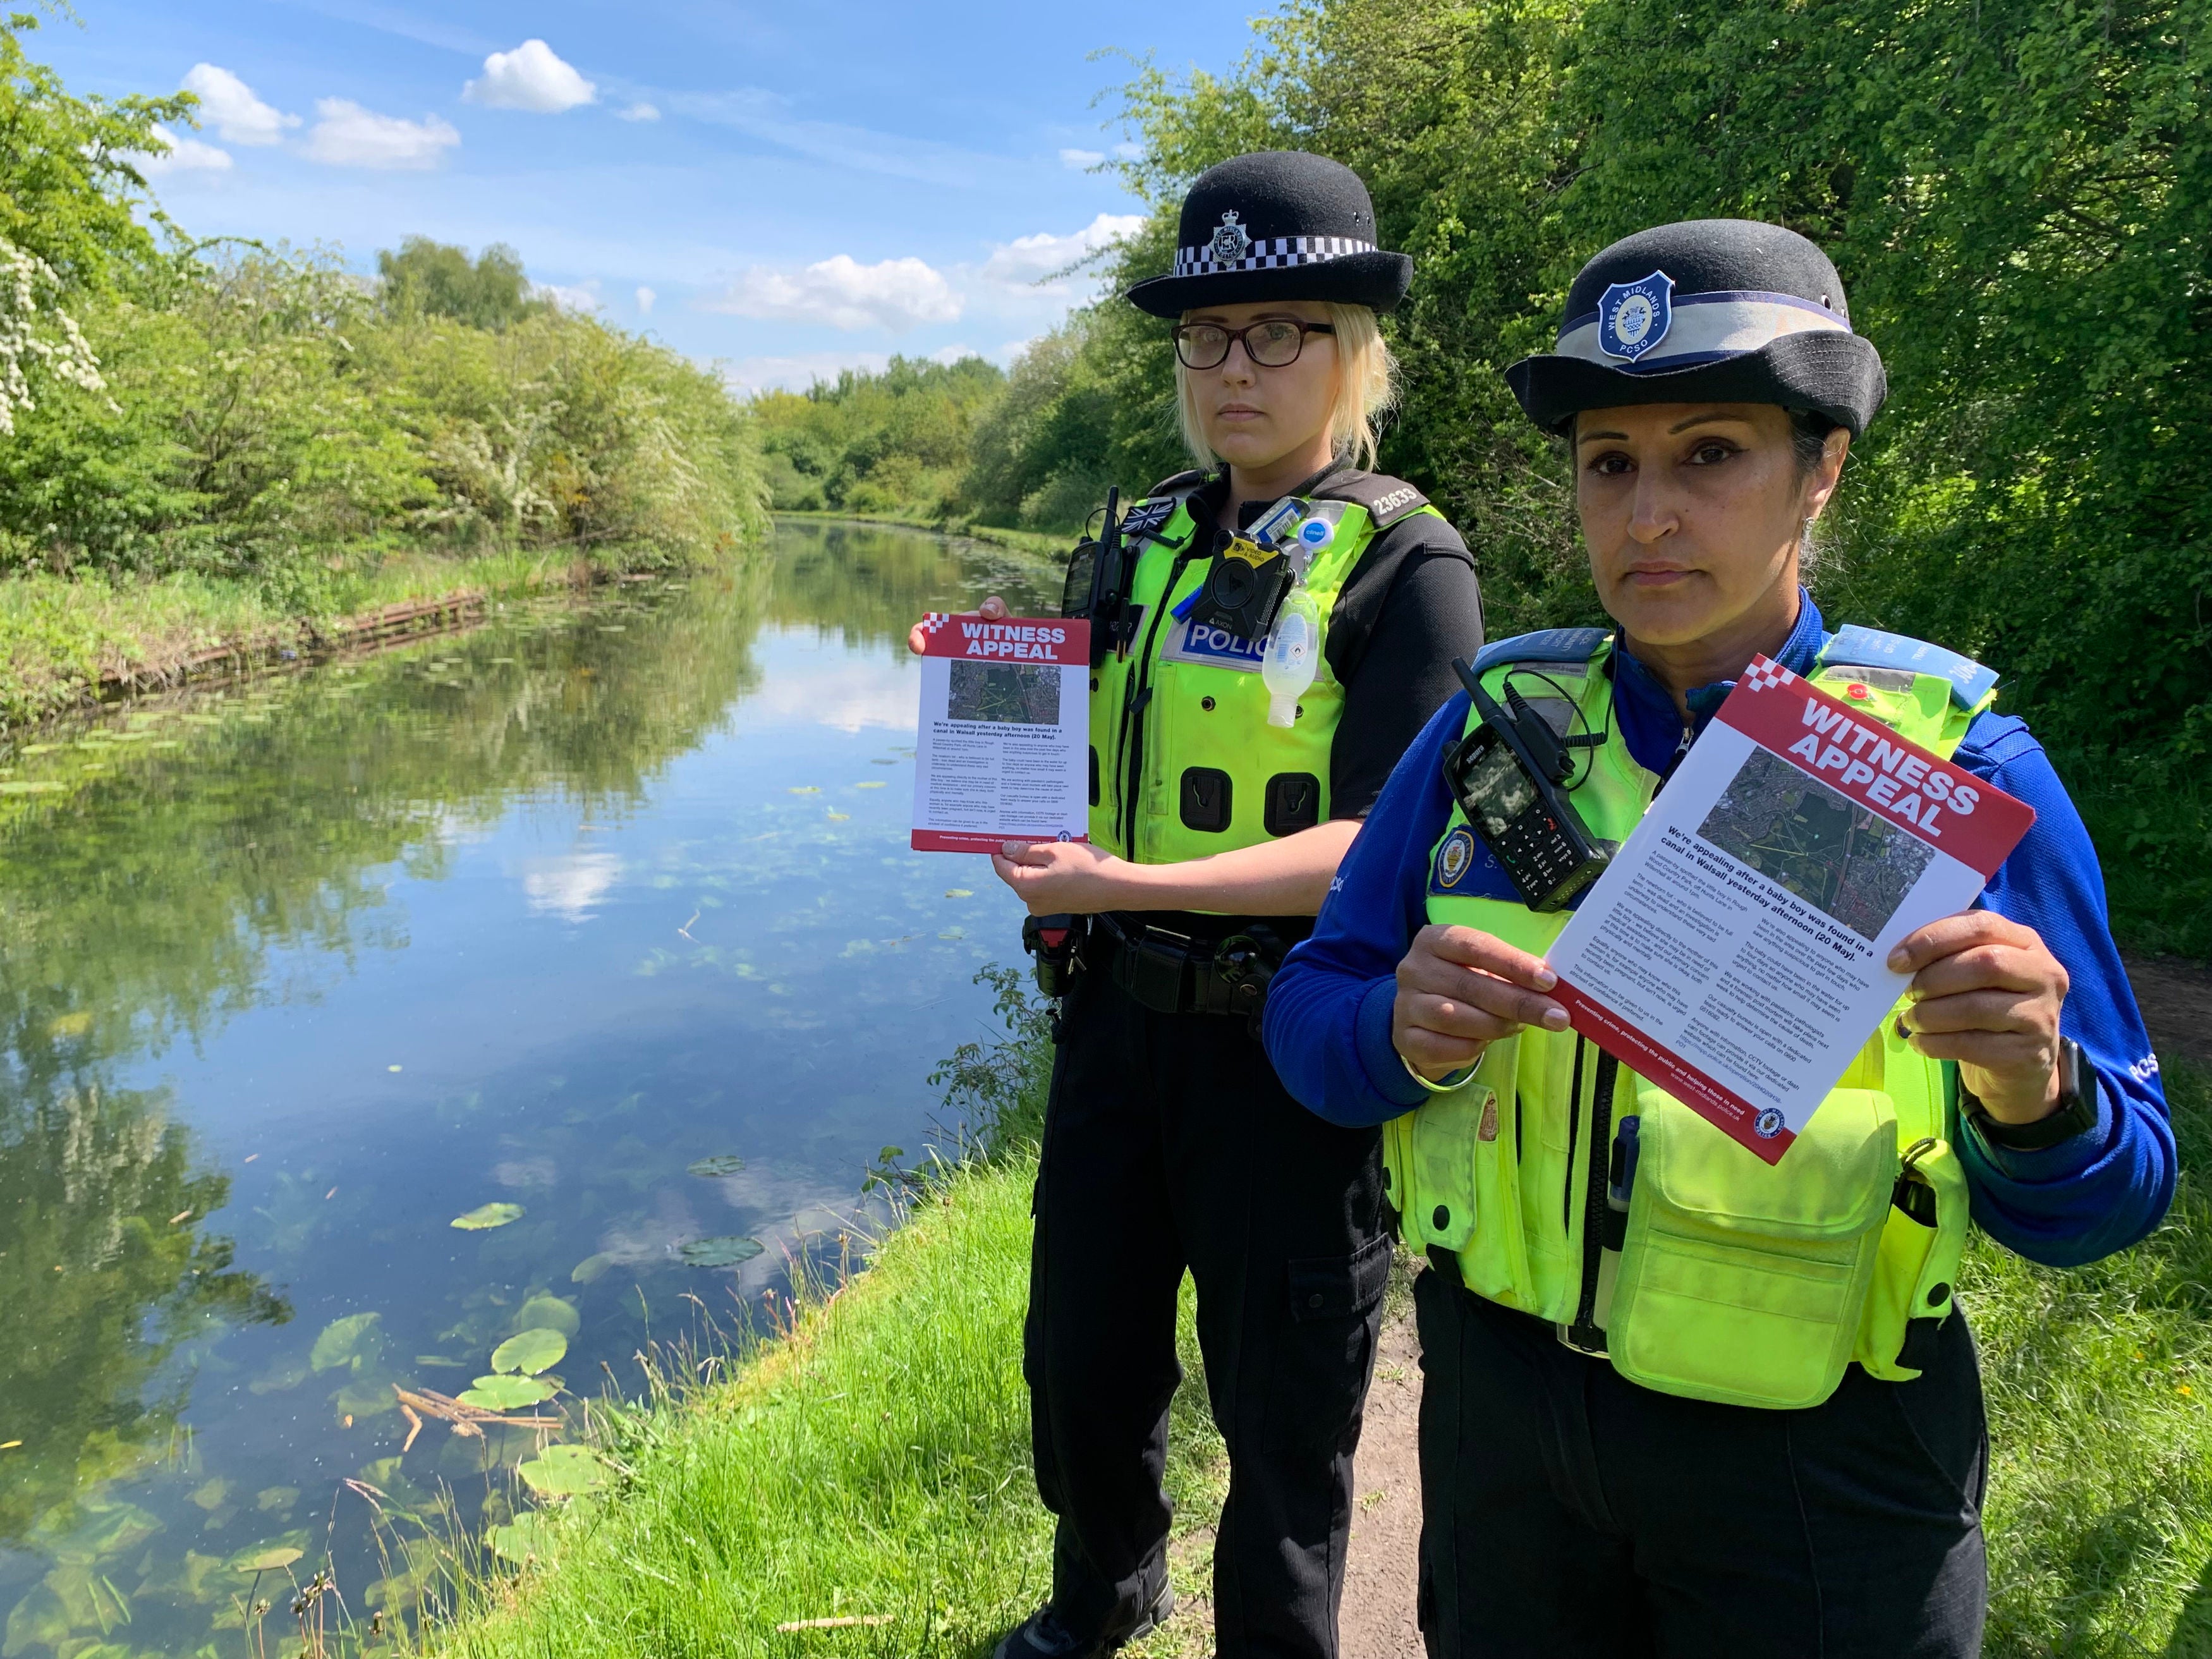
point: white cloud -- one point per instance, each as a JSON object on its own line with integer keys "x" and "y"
{"x": 531, "y": 77}
{"x": 646, "y": 296}
{"x": 896, "y": 295}
{"x": 796, "y": 374}
{"x": 570, "y": 885}
{"x": 1029, "y": 259}
{"x": 347, "y": 135}
{"x": 228, "y": 105}
{"x": 183, "y": 154}
{"x": 1076, "y": 160}
{"x": 639, "y": 112}
{"x": 1128, "y": 152}
{"x": 580, "y": 298}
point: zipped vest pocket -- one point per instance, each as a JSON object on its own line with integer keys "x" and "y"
{"x": 1742, "y": 1282}
{"x": 1917, "y": 1269}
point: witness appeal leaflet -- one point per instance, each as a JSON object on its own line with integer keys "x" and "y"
{"x": 1735, "y": 951}
{"x": 1004, "y": 747}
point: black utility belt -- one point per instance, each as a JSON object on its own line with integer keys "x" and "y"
{"x": 1173, "y": 972}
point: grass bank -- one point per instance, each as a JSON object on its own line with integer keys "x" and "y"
{"x": 1043, "y": 544}
{"x": 874, "y": 1466}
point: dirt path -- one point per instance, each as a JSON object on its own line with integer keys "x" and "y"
{"x": 2175, "y": 997}
{"x": 1381, "y": 1576}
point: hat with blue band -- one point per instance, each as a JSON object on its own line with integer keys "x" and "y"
{"x": 1705, "y": 311}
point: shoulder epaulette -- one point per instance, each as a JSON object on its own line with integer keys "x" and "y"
{"x": 1576, "y": 645}
{"x": 1854, "y": 646}
{"x": 1386, "y": 499}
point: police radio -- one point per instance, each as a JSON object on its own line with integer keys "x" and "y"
{"x": 1099, "y": 572}
{"x": 1506, "y": 775}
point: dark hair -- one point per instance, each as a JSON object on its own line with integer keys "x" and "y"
{"x": 1808, "y": 438}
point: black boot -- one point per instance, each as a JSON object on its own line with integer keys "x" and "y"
{"x": 1042, "y": 1636}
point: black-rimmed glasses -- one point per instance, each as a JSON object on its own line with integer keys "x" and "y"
{"x": 1274, "y": 344}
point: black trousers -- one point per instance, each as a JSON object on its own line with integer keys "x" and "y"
{"x": 1169, "y": 1145}
{"x": 1569, "y": 1512}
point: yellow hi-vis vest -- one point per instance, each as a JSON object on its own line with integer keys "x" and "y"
{"x": 1726, "y": 1279}
{"x": 1183, "y": 762}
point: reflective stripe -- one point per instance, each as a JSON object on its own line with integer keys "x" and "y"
{"x": 1707, "y": 328}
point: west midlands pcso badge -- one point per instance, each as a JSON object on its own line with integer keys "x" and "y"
{"x": 1633, "y": 316}
{"x": 1454, "y": 857}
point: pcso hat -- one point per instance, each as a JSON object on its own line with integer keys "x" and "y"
{"x": 1279, "y": 224}
{"x": 1709, "y": 310}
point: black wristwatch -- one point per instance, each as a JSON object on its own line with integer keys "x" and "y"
{"x": 2078, "y": 1107}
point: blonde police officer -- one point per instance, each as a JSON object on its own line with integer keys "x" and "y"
{"x": 1215, "y": 831}
{"x": 1677, "y": 1402}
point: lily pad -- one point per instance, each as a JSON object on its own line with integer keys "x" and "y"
{"x": 275, "y": 1559}
{"x": 721, "y": 1163}
{"x": 488, "y": 1215}
{"x": 532, "y": 1351}
{"x": 723, "y": 1252}
{"x": 872, "y": 783}
{"x": 352, "y": 1341}
{"x": 547, "y": 1313}
{"x": 591, "y": 1269}
{"x": 960, "y": 892}
{"x": 529, "y": 1534}
{"x": 506, "y": 1393}
{"x": 563, "y": 1471}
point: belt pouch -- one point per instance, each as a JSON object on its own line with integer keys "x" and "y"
{"x": 1151, "y": 970}
{"x": 1744, "y": 1282}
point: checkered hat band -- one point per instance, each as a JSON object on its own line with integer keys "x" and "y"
{"x": 1270, "y": 253}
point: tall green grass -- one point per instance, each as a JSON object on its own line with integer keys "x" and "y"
{"x": 876, "y": 1464}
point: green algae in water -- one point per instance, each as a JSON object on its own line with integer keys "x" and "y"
{"x": 353, "y": 1341}
{"x": 721, "y": 1163}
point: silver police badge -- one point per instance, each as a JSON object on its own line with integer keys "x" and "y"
{"x": 1231, "y": 241}
{"x": 1634, "y": 317}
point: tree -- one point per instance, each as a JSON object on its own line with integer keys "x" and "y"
{"x": 436, "y": 279}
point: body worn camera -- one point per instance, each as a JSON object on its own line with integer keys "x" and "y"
{"x": 1244, "y": 590}
{"x": 1246, "y": 587}
{"x": 1506, "y": 776}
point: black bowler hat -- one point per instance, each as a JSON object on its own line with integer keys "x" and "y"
{"x": 1709, "y": 310}
{"x": 1279, "y": 224}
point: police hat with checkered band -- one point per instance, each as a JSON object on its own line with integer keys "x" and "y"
{"x": 1276, "y": 225}
{"x": 1706, "y": 311}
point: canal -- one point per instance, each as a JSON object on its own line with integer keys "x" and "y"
{"x": 593, "y": 929}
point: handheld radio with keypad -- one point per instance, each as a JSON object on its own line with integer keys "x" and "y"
{"x": 1507, "y": 776}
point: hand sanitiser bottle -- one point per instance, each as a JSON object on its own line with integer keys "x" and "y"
{"x": 1293, "y": 656}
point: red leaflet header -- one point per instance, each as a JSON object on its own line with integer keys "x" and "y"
{"x": 1860, "y": 757}
{"x": 1018, "y": 639}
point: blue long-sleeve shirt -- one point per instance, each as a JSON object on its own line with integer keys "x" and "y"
{"x": 1327, "y": 1021}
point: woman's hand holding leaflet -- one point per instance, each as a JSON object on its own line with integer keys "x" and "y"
{"x": 1459, "y": 991}
{"x": 992, "y": 610}
{"x": 1986, "y": 993}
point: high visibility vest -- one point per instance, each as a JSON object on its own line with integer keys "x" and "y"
{"x": 1183, "y": 762}
{"x": 1725, "y": 1278}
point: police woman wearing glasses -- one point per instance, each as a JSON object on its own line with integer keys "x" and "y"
{"x": 1677, "y": 1402}
{"x": 1215, "y": 831}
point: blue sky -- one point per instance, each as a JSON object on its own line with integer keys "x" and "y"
{"x": 787, "y": 188}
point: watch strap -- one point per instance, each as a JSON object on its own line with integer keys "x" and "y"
{"x": 2076, "y": 1112}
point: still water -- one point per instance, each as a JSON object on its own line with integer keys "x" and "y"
{"x": 596, "y": 923}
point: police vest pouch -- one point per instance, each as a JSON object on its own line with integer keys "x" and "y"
{"x": 1745, "y": 1283}
{"x": 1923, "y": 1238}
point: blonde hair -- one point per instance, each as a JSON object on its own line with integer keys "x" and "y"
{"x": 1366, "y": 387}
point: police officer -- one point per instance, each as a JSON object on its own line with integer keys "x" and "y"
{"x": 1215, "y": 831}
{"x": 1677, "y": 1402}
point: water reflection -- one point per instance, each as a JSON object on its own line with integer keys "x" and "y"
{"x": 535, "y": 919}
